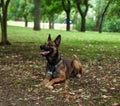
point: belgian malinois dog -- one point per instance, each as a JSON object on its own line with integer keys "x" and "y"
{"x": 58, "y": 69}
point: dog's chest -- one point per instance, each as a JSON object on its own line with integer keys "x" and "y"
{"x": 53, "y": 71}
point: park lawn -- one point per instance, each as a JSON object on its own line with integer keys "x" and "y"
{"x": 89, "y": 44}
{"x": 22, "y": 67}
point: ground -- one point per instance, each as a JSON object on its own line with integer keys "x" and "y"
{"x": 21, "y": 67}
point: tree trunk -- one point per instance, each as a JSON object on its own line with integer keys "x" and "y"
{"x": 37, "y": 14}
{"x": 4, "y": 7}
{"x": 83, "y": 23}
{"x": 51, "y": 22}
{"x": 67, "y": 8}
{"x": 26, "y": 21}
{"x": 68, "y": 21}
{"x": 97, "y": 22}
{"x": 83, "y": 13}
{"x": 102, "y": 17}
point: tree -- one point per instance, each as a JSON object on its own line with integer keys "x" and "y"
{"x": 115, "y": 9}
{"x": 111, "y": 21}
{"x": 25, "y": 9}
{"x": 102, "y": 15}
{"x": 37, "y": 4}
{"x": 101, "y": 11}
{"x": 82, "y": 6}
{"x": 49, "y": 9}
{"x": 3, "y": 17}
{"x": 21, "y": 9}
{"x": 66, "y": 4}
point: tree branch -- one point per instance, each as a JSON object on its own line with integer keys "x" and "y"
{"x": 66, "y": 8}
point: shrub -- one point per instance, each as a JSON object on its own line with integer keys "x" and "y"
{"x": 112, "y": 25}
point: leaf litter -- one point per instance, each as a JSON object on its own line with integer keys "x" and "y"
{"x": 19, "y": 71}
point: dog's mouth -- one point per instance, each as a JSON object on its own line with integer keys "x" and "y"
{"x": 44, "y": 53}
{"x": 45, "y": 50}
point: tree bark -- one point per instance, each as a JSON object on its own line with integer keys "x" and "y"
{"x": 102, "y": 16}
{"x": 51, "y": 22}
{"x": 26, "y": 21}
{"x": 25, "y": 14}
{"x": 83, "y": 24}
{"x": 97, "y": 22}
{"x": 3, "y": 17}
{"x": 67, "y": 9}
{"x": 68, "y": 21}
{"x": 37, "y": 4}
{"x": 83, "y": 13}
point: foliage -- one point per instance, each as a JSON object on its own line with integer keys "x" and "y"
{"x": 12, "y": 12}
{"x": 112, "y": 25}
{"x": 53, "y": 9}
{"x": 18, "y": 9}
{"x": 112, "y": 22}
{"x": 50, "y": 7}
{"x": 115, "y": 9}
{"x": 59, "y": 18}
{"x": 90, "y": 24}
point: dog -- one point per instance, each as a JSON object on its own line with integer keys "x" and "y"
{"x": 58, "y": 69}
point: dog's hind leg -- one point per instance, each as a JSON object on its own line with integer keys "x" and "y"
{"x": 77, "y": 66}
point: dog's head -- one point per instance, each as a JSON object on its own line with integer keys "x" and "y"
{"x": 50, "y": 47}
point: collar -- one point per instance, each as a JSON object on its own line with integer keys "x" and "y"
{"x": 52, "y": 67}
{"x": 53, "y": 63}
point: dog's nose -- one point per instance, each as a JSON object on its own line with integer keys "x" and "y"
{"x": 42, "y": 46}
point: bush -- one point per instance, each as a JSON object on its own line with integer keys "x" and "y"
{"x": 78, "y": 24}
{"x": 90, "y": 24}
{"x": 112, "y": 25}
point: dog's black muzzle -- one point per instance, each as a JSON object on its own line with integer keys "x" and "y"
{"x": 42, "y": 47}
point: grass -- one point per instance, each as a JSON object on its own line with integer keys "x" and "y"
{"x": 89, "y": 44}
{"x": 27, "y": 34}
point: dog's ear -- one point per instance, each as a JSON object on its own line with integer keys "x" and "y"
{"x": 57, "y": 40}
{"x": 49, "y": 38}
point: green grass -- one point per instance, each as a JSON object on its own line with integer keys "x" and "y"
{"x": 86, "y": 45}
{"x": 21, "y": 34}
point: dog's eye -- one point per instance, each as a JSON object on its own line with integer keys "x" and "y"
{"x": 49, "y": 44}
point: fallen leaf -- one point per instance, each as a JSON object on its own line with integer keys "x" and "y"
{"x": 115, "y": 104}
{"x": 105, "y": 96}
{"x": 50, "y": 98}
{"x": 100, "y": 67}
{"x": 104, "y": 90}
{"x": 114, "y": 80}
{"x": 112, "y": 88}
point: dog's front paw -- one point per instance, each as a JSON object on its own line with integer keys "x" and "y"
{"x": 49, "y": 86}
{"x": 78, "y": 75}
